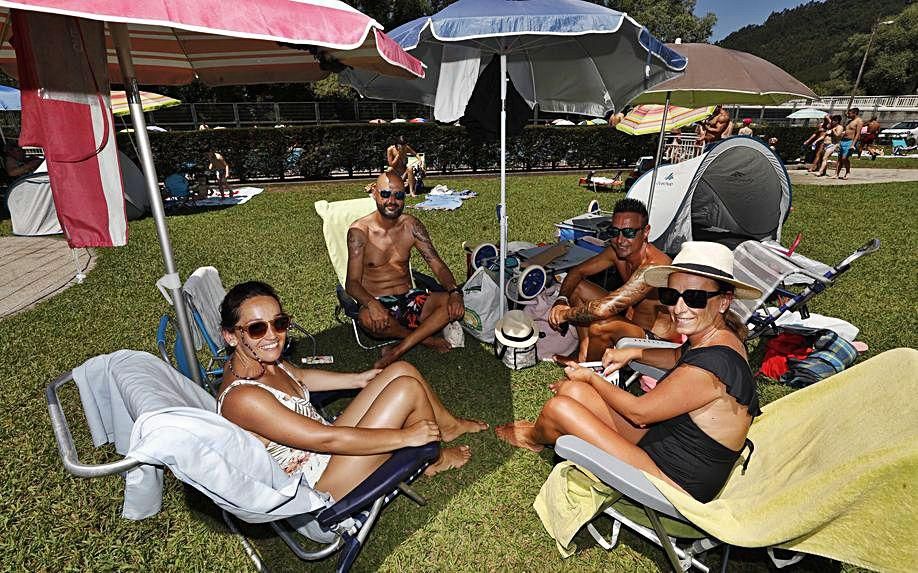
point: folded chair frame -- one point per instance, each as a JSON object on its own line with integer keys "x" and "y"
{"x": 349, "y": 520}
{"x": 634, "y": 485}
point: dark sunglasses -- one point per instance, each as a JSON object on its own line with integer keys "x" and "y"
{"x": 386, "y": 193}
{"x": 693, "y": 298}
{"x": 259, "y": 328}
{"x": 628, "y": 232}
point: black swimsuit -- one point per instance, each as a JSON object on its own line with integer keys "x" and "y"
{"x": 691, "y": 458}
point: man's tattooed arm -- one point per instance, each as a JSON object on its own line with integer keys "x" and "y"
{"x": 425, "y": 246}
{"x": 356, "y": 247}
{"x": 616, "y": 302}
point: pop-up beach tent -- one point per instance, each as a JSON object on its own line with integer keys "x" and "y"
{"x": 738, "y": 190}
{"x": 31, "y": 204}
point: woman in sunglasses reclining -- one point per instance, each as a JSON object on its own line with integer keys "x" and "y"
{"x": 269, "y": 397}
{"x": 691, "y": 428}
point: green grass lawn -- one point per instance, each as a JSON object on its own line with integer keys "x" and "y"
{"x": 884, "y": 162}
{"x": 479, "y": 517}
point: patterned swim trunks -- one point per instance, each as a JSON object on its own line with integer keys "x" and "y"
{"x": 406, "y": 308}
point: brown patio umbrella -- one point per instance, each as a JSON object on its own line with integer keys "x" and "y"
{"x": 716, "y": 75}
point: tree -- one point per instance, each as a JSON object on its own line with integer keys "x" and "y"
{"x": 667, "y": 19}
{"x": 892, "y": 65}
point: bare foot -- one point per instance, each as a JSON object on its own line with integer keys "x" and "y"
{"x": 387, "y": 357}
{"x": 519, "y": 434}
{"x": 462, "y": 426}
{"x": 437, "y": 343}
{"x": 450, "y": 458}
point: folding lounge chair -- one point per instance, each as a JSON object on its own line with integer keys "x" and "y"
{"x": 768, "y": 266}
{"x": 336, "y": 219}
{"x": 835, "y": 486}
{"x": 158, "y": 417}
{"x": 203, "y": 292}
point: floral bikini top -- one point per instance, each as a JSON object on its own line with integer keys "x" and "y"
{"x": 310, "y": 464}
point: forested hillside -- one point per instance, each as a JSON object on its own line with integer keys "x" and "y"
{"x": 821, "y": 43}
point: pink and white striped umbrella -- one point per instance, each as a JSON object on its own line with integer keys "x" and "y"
{"x": 232, "y": 43}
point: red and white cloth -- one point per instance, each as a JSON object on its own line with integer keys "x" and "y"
{"x": 65, "y": 110}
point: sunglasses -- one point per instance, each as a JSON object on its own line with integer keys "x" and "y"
{"x": 386, "y": 193}
{"x": 693, "y": 298}
{"x": 259, "y": 328}
{"x": 628, "y": 232}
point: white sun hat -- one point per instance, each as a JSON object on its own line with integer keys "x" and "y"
{"x": 702, "y": 258}
{"x": 516, "y": 330}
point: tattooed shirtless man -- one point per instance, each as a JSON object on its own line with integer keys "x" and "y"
{"x": 633, "y": 310}
{"x": 379, "y": 248}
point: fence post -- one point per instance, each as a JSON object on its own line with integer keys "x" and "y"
{"x": 194, "y": 115}
{"x": 318, "y": 119}
{"x": 236, "y": 115}
{"x": 394, "y": 110}
{"x": 277, "y": 116}
{"x": 356, "y": 110}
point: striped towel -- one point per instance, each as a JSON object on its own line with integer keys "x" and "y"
{"x": 831, "y": 354}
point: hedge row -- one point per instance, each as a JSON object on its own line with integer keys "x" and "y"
{"x": 360, "y": 148}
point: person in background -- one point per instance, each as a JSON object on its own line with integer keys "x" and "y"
{"x": 220, "y": 168}
{"x": 816, "y": 142}
{"x": 869, "y": 134}
{"x": 773, "y": 144}
{"x": 716, "y": 127}
{"x": 15, "y": 161}
{"x": 747, "y": 127}
{"x": 832, "y": 138}
{"x": 397, "y": 159}
{"x": 848, "y": 143}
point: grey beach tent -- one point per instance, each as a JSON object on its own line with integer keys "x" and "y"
{"x": 31, "y": 204}
{"x": 736, "y": 191}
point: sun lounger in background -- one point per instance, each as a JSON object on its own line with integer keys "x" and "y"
{"x": 156, "y": 417}
{"x": 832, "y": 474}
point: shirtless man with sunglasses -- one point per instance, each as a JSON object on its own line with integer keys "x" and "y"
{"x": 379, "y": 248}
{"x": 634, "y": 309}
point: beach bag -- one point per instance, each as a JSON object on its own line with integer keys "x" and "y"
{"x": 481, "y": 296}
{"x": 516, "y": 358}
{"x": 551, "y": 342}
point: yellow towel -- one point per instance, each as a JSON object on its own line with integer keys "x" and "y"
{"x": 336, "y": 218}
{"x": 570, "y": 498}
{"x": 834, "y": 473}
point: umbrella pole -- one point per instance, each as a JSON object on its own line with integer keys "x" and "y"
{"x": 656, "y": 164}
{"x": 502, "y": 209}
{"x": 170, "y": 280}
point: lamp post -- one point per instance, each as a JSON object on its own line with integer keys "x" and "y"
{"x": 860, "y": 72}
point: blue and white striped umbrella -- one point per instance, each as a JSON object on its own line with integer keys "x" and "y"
{"x": 567, "y": 56}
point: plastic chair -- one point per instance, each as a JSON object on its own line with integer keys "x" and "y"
{"x": 174, "y": 420}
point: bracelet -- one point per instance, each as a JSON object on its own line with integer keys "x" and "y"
{"x": 562, "y": 300}
{"x": 455, "y": 290}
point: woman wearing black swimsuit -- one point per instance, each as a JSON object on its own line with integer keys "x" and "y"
{"x": 691, "y": 429}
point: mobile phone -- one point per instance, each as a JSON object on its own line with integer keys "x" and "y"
{"x": 318, "y": 360}
{"x": 597, "y": 367}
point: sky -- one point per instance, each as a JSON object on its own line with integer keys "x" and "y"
{"x": 733, "y": 15}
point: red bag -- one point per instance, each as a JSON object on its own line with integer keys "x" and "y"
{"x": 779, "y": 349}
